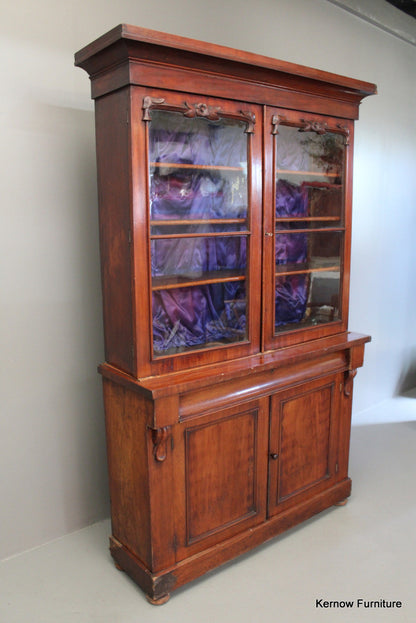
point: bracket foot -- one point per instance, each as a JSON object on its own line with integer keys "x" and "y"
{"x": 341, "y": 503}
{"x": 159, "y": 601}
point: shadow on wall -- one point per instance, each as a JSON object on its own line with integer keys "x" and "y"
{"x": 407, "y": 378}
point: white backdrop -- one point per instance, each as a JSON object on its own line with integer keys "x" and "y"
{"x": 52, "y": 444}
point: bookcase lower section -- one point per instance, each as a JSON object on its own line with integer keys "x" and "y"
{"x": 158, "y": 586}
{"x": 207, "y": 466}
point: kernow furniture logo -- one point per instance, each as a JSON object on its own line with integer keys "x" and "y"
{"x": 357, "y": 603}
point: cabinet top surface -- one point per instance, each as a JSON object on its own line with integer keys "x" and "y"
{"x": 174, "y": 383}
{"x": 143, "y": 38}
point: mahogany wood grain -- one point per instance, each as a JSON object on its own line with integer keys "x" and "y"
{"x": 188, "y": 380}
{"x": 114, "y": 173}
{"x": 222, "y": 458}
{"x": 126, "y": 427}
{"x": 303, "y": 440}
{"x": 160, "y": 585}
{"x": 193, "y": 53}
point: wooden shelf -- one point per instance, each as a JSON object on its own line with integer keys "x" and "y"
{"x": 196, "y": 167}
{"x": 207, "y": 234}
{"x": 312, "y": 173}
{"x": 186, "y": 281}
{"x": 311, "y": 230}
{"x": 300, "y": 219}
{"x": 302, "y": 269}
{"x": 197, "y": 221}
{"x": 198, "y": 234}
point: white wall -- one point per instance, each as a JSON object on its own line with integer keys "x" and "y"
{"x": 52, "y": 446}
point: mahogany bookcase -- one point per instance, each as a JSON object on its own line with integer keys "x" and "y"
{"x": 225, "y": 191}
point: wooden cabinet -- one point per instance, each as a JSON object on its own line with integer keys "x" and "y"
{"x": 225, "y": 186}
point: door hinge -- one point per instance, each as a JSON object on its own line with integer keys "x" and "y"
{"x": 336, "y": 468}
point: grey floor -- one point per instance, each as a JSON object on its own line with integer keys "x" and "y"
{"x": 365, "y": 550}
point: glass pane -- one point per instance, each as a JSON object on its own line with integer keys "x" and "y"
{"x": 198, "y": 210}
{"x": 304, "y": 300}
{"x": 309, "y": 227}
{"x": 195, "y": 257}
{"x": 317, "y": 200}
{"x": 198, "y": 316}
{"x": 307, "y": 278}
{"x": 310, "y": 155}
{"x": 307, "y": 250}
{"x": 198, "y": 168}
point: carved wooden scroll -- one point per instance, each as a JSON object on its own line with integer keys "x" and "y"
{"x": 160, "y": 438}
{"x": 345, "y": 131}
{"x": 348, "y": 383}
{"x": 276, "y": 121}
{"x": 200, "y": 109}
{"x": 314, "y": 126}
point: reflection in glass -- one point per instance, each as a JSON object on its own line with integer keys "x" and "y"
{"x": 309, "y": 154}
{"x": 309, "y": 227}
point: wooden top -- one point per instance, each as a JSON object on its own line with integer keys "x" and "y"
{"x": 143, "y": 40}
{"x": 155, "y": 387}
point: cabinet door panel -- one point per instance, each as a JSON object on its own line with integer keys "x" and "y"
{"x": 303, "y": 434}
{"x": 223, "y": 476}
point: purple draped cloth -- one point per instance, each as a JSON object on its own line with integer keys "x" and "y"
{"x": 291, "y": 248}
{"x": 185, "y": 317}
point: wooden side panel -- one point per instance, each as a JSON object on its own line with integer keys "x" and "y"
{"x": 113, "y": 169}
{"x": 126, "y": 417}
{"x": 224, "y": 463}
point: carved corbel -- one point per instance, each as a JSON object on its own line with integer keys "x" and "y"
{"x": 160, "y": 438}
{"x": 348, "y": 382}
{"x": 346, "y": 132}
{"x": 276, "y": 121}
{"x": 250, "y": 117}
{"x": 148, "y": 103}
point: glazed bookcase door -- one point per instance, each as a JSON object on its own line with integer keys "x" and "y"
{"x": 307, "y": 214}
{"x": 203, "y": 228}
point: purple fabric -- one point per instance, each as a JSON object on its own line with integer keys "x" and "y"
{"x": 193, "y": 194}
{"x": 186, "y": 317}
{"x": 193, "y": 316}
{"x": 197, "y": 141}
{"x": 190, "y": 316}
{"x": 291, "y": 298}
{"x": 291, "y": 199}
{"x": 292, "y": 248}
{"x": 194, "y": 256}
